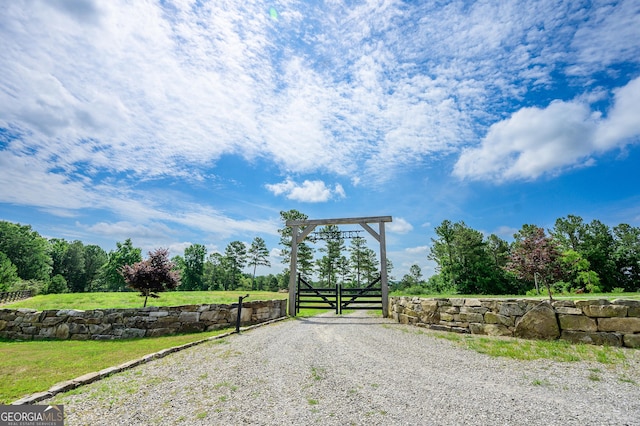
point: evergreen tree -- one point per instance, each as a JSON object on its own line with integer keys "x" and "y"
{"x": 193, "y": 272}
{"x": 125, "y": 254}
{"x": 258, "y": 255}
{"x": 27, "y": 250}
{"x": 236, "y": 258}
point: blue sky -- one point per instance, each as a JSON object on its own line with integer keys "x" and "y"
{"x": 180, "y": 122}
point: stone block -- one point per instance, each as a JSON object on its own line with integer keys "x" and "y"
{"x": 621, "y": 325}
{"x": 159, "y": 314}
{"x": 156, "y": 332}
{"x": 132, "y": 333}
{"x": 446, "y": 317}
{"x": 511, "y": 309}
{"x": 476, "y": 328}
{"x": 3, "y": 324}
{"x": 430, "y": 317}
{"x": 79, "y": 337}
{"x": 451, "y": 310}
{"x": 605, "y": 311}
{"x": 30, "y": 330}
{"x": 61, "y": 331}
{"x": 406, "y": 319}
{"x": 75, "y": 328}
{"x": 99, "y": 328}
{"x": 189, "y": 317}
{"x": 494, "y": 318}
{"x": 632, "y": 340}
{"x": 592, "y": 338}
{"x": 633, "y": 312}
{"x": 563, "y": 304}
{"x": 577, "y": 323}
{"x": 591, "y": 302}
{"x": 538, "y": 323}
{"x": 568, "y": 310}
{"x": 471, "y": 317}
{"x": 50, "y": 321}
{"x": 245, "y": 314}
{"x": 472, "y": 302}
{"x": 627, "y": 302}
{"x": 475, "y": 309}
{"x": 429, "y": 306}
{"x": 497, "y": 330}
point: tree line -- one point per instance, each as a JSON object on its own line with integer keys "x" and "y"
{"x": 573, "y": 256}
{"x": 30, "y": 261}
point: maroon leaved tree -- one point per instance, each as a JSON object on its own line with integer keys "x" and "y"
{"x": 153, "y": 275}
{"x": 535, "y": 256}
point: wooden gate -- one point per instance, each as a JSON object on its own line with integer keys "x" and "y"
{"x": 369, "y": 297}
{"x": 338, "y": 298}
{"x": 308, "y": 297}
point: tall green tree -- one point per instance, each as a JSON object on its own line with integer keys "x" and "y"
{"x": 357, "y": 247}
{"x": 8, "y": 273}
{"x": 626, "y": 256}
{"x": 598, "y": 249}
{"x": 193, "y": 272}
{"x": 236, "y": 258}
{"x": 568, "y": 232}
{"x": 94, "y": 258}
{"x": 27, "y": 250}
{"x": 334, "y": 246}
{"x": 464, "y": 260}
{"x": 258, "y": 255}
{"x": 124, "y": 254}
{"x": 369, "y": 267}
{"x": 215, "y": 272}
{"x": 305, "y": 263}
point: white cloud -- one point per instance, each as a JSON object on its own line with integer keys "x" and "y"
{"x": 417, "y": 250}
{"x": 309, "y": 191}
{"x": 535, "y": 141}
{"x": 399, "y": 226}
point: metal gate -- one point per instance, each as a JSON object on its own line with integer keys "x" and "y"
{"x": 338, "y": 298}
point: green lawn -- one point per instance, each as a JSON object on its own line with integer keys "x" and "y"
{"x": 85, "y": 301}
{"x": 35, "y": 366}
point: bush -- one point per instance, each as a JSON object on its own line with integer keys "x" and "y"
{"x": 57, "y": 285}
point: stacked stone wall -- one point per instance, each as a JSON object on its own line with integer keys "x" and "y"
{"x": 600, "y": 322}
{"x": 107, "y": 324}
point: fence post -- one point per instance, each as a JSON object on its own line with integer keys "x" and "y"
{"x": 239, "y": 312}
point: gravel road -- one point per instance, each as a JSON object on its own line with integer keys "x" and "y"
{"x": 360, "y": 370}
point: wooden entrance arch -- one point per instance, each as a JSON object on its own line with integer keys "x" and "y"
{"x": 298, "y": 235}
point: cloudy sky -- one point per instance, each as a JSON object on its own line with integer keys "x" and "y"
{"x": 180, "y": 122}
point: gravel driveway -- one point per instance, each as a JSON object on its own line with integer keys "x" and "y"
{"x": 355, "y": 369}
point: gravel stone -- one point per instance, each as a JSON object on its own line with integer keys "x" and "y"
{"x": 355, "y": 370}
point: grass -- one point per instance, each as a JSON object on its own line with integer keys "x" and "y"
{"x": 86, "y": 301}
{"x": 34, "y": 366}
{"x": 528, "y": 350}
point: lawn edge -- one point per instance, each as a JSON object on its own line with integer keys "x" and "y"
{"x": 88, "y": 378}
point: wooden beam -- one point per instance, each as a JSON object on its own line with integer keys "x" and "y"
{"x": 371, "y": 231}
{"x": 339, "y": 221}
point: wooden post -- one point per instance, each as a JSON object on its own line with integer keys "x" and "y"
{"x": 383, "y": 272}
{"x": 293, "y": 273}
